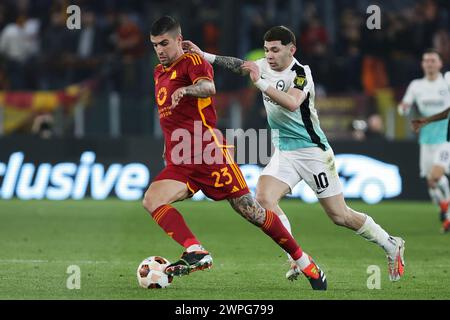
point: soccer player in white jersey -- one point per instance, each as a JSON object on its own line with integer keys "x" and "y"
{"x": 431, "y": 94}
{"x": 302, "y": 151}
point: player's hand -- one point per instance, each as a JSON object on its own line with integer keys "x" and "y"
{"x": 403, "y": 109}
{"x": 176, "y": 96}
{"x": 252, "y": 69}
{"x": 190, "y": 47}
{"x": 417, "y": 124}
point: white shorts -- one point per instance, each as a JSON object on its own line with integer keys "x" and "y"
{"x": 315, "y": 166}
{"x": 434, "y": 155}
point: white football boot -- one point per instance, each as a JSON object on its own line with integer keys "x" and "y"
{"x": 396, "y": 261}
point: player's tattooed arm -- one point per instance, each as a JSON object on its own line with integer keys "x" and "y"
{"x": 249, "y": 208}
{"x": 230, "y": 63}
{"x": 202, "y": 89}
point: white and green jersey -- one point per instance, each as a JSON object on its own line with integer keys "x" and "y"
{"x": 292, "y": 129}
{"x": 431, "y": 97}
{"x": 447, "y": 80}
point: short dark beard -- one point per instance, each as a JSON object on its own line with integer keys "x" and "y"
{"x": 172, "y": 61}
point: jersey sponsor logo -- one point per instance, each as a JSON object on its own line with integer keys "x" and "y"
{"x": 164, "y": 112}
{"x": 444, "y": 156}
{"x": 161, "y": 96}
{"x": 433, "y": 103}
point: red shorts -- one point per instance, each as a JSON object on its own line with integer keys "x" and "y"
{"x": 217, "y": 181}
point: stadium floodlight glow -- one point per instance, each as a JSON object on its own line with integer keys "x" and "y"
{"x": 69, "y": 180}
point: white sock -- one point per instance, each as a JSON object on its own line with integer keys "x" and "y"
{"x": 444, "y": 186}
{"x": 195, "y": 247}
{"x": 303, "y": 262}
{"x": 285, "y": 221}
{"x": 374, "y": 233}
{"x": 436, "y": 195}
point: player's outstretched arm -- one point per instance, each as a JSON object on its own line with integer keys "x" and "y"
{"x": 249, "y": 208}
{"x": 419, "y": 123}
{"x": 230, "y": 63}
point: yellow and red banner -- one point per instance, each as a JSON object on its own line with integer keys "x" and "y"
{"x": 19, "y": 107}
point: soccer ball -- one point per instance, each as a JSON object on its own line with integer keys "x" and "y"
{"x": 150, "y": 273}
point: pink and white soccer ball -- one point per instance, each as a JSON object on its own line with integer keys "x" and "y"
{"x": 150, "y": 273}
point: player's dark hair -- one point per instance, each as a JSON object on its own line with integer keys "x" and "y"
{"x": 432, "y": 50}
{"x": 280, "y": 33}
{"x": 165, "y": 24}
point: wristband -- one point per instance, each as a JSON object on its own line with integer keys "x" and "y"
{"x": 209, "y": 57}
{"x": 262, "y": 84}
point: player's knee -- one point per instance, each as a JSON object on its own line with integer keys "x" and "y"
{"x": 432, "y": 181}
{"x": 147, "y": 203}
{"x": 434, "y": 176}
{"x": 151, "y": 203}
{"x": 266, "y": 200}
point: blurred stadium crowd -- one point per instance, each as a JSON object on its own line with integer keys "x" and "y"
{"x": 38, "y": 51}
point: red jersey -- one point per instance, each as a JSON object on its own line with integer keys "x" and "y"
{"x": 197, "y": 119}
{"x": 190, "y": 111}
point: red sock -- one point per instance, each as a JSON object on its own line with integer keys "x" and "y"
{"x": 275, "y": 229}
{"x": 172, "y": 222}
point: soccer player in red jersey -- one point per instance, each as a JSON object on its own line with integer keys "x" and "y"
{"x": 183, "y": 88}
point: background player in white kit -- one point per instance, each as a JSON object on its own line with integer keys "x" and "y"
{"x": 302, "y": 151}
{"x": 431, "y": 94}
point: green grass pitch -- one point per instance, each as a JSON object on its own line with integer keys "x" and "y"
{"x": 39, "y": 240}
